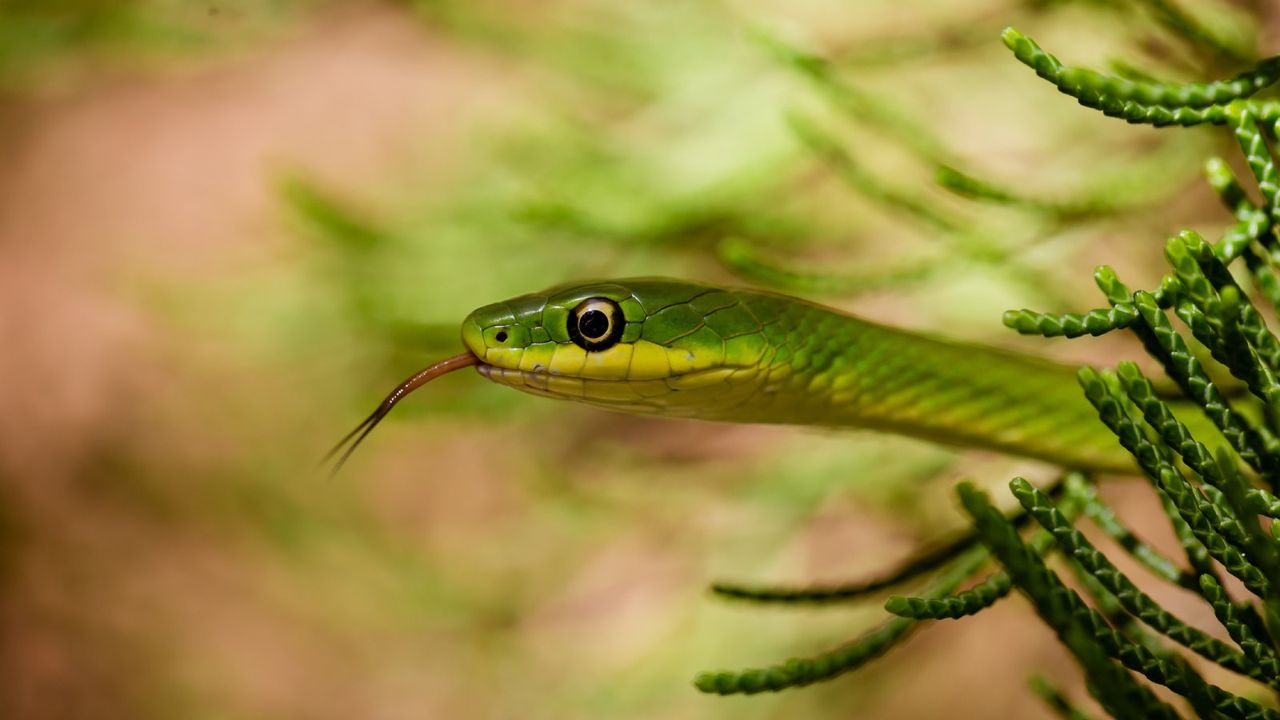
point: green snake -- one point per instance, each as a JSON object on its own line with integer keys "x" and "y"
{"x": 691, "y": 350}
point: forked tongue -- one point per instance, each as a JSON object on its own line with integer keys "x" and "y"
{"x": 420, "y": 378}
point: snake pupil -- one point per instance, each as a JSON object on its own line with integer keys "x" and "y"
{"x": 596, "y": 324}
{"x": 593, "y": 324}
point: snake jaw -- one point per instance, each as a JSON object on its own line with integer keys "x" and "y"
{"x": 693, "y": 394}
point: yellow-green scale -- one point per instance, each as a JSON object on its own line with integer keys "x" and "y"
{"x": 832, "y": 369}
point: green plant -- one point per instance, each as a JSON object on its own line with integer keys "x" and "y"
{"x": 1221, "y": 503}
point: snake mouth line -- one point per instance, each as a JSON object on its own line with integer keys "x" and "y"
{"x": 540, "y": 379}
{"x": 610, "y": 392}
{"x": 704, "y": 393}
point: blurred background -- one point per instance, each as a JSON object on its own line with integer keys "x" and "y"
{"x": 228, "y": 227}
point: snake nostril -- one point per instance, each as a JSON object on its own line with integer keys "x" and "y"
{"x": 501, "y": 336}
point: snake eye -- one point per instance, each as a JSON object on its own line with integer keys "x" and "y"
{"x": 596, "y": 324}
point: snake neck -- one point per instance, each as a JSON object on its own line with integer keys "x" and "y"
{"x": 832, "y": 369}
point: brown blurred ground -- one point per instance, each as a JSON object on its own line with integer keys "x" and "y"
{"x": 169, "y": 175}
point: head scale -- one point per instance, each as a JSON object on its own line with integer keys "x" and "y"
{"x": 647, "y": 345}
{"x": 642, "y": 345}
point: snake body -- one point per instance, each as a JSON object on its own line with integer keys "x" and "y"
{"x": 685, "y": 349}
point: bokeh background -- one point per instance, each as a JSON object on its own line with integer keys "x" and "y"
{"x": 228, "y": 227}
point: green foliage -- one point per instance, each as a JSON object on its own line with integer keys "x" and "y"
{"x": 1065, "y": 612}
{"x": 747, "y": 261}
{"x": 1190, "y": 449}
{"x": 1106, "y": 200}
{"x": 852, "y": 591}
{"x": 1203, "y": 38}
{"x": 71, "y": 35}
{"x": 1094, "y": 322}
{"x": 1076, "y": 546}
{"x": 798, "y": 672}
{"x": 1055, "y": 699}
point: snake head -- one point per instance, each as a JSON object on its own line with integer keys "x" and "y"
{"x": 646, "y": 345}
{"x": 640, "y": 345}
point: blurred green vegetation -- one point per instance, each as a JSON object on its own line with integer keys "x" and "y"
{"x": 492, "y": 555}
{"x": 43, "y": 41}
